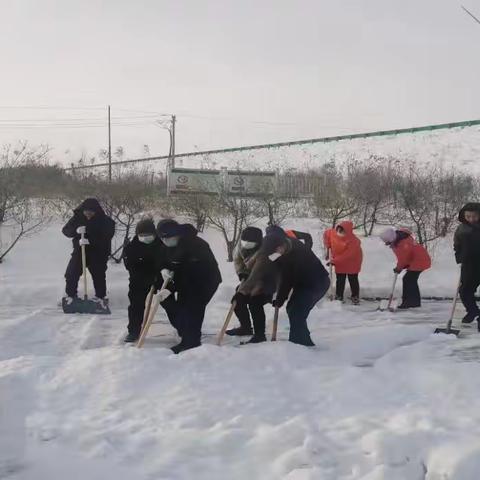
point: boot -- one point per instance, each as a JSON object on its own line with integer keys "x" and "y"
{"x": 406, "y": 305}
{"x": 131, "y": 338}
{"x": 338, "y": 298}
{"x": 181, "y": 347}
{"x": 469, "y": 318}
{"x": 239, "y": 332}
{"x": 258, "y": 339}
{"x": 478, "y": 323}
{"x": 355, "y": 301}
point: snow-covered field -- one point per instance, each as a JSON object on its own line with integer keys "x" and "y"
{"x": 380, "y": 397}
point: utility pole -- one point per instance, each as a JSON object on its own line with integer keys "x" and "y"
{"x": 172, "y": 146}
{"x": 109, "y": 148}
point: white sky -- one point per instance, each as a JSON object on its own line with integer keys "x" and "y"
{"x": 310, "y": 68}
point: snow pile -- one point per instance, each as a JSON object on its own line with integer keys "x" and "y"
{"x": 380, "y": 397}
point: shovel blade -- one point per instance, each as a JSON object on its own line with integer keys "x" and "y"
{"x": 448, "y": 331}
{"x": 80, "y": 305}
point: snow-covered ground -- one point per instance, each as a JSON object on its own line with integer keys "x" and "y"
{"x": 380, "y": 397}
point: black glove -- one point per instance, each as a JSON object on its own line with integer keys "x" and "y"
{"x": 278, "y": 303}
{"x": 397, "y": 270}
{"x": 242, "y": 277}
{"x": 238, "y": 297}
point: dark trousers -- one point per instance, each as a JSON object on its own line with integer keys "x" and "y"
{"x": 137, "y": 294}
{"x": 470, "y": 281}
{"x": 187, "y": 317}
{"x": 352, "y": 280}
{"x": 411, "y": 292}
{"x": 97, "y": 268}
{"x": 299, "y": 306}
{"x": 252, "y": 306}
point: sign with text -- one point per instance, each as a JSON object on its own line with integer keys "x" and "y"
{"x": 183, "y": 180}
{"x": 246, "y": 183}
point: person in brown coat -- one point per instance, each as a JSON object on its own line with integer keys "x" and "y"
{"x": 258, "y": 279}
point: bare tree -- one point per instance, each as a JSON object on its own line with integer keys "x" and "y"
{"x": 230, "y": 215}
{"x": 195, "y": 207}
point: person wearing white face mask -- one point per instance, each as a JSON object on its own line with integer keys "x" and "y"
{"x": 196, "y": 278}
{"x": 258, "y": 277}
{"x": 302, "y": 276}
{"x": 139, "y": 257}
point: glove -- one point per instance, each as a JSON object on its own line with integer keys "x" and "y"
{"x": 167, "y": 275}
{"x": 242, "y": 277}
{"x": 82, "y": 230}
{"x": 238, "y": 297}
{"x": 397, "y": 270}
{"x": 83, "y": 241}
{"x": 162, "y": 295}
{"x": 277, "y": 303}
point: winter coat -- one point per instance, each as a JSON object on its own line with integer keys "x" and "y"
{"x": 196, "y": 272}
{"x": 306, "y": 237}
{"x": 140, "y": 260}
{"x": 466, "y": 240}
{"x": 99, "y": 230}
{"x": 345, "y": 251}
{"x": 241, "y": 259}
{"x": 410, "y": 255}
{"x": 299, "y": 268}
{"x": 257, "y": 273}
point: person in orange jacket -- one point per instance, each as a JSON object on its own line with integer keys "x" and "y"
{"x": 412, "y": 257}
{"x": 345, "y": 254}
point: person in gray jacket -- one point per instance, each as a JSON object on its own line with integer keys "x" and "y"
{"x": 258, "y": 278}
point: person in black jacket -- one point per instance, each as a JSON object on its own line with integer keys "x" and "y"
{"x": 258, "y": 279}
{"x": 466, "y": 244}
{"x": 301, "y": 273}
{"x": 98, "y": 229}
{"x": 196, "y": 277}
{"x": 140, "y": 256}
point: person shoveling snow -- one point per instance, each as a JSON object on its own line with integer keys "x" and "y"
{"x": 91, "y": 231}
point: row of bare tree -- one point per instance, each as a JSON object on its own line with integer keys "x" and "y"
{"x": 376, "y": 191}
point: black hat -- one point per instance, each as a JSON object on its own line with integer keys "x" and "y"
{"x": 272, "y": 242}
{"x": 275, "y": 230}
{"x": 145, "y": 227}
{"x": 168, "y": 228}
{"x": 91, "y": 204}
{"x": 252, "y": 234}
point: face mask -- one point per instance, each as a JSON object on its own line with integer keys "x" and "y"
{"x": 274, "y": 256}
{"x": 146, "y": 238}
{"x": 170, "y": 241}
{"x": 247, "y": 245}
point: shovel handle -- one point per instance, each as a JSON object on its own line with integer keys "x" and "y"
{"x": 151, "y": 315}
{"x": 454, "y": 303}
{"x": 275, "y": 324}
{"x": 84, "y": 268}
{"x": 390, "y": 300}
{"x": 221, "y": 334}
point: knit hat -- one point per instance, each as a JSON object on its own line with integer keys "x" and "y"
{"x": 145, "y": 227}
{"x": 168, "y": 228}
{"x": 389, "y": 235}
{"x": 252, "y": 234}
{"x": 272, "y": 242}
{"x": 275, "y": 230}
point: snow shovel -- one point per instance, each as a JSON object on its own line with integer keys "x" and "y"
{"x": 275, "y": 324}
{"x": 389, "y": 307}
{"x": 84, "y": 305}
{"x": 149, "y": 314}
{"x": 449, "y": 330}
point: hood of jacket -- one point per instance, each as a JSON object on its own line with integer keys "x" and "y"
{"x": 347, "y": 227}
{"x": 188, "y": 231}
{"x": 90, "y": 204}
{"x": 469, "y": 207}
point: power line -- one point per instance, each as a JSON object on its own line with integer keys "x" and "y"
{"x": 471, "y": 14}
